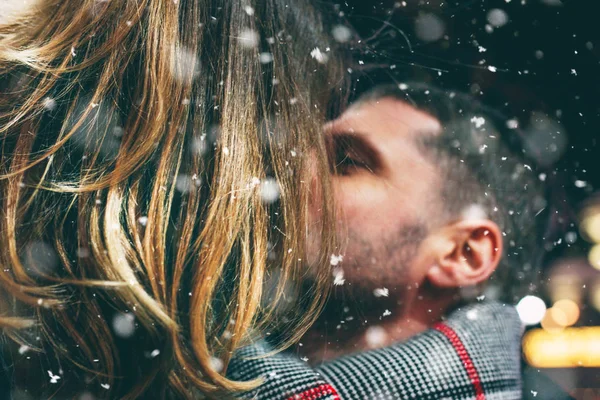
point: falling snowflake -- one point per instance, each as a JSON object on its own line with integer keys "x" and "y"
{"x": 341, "y": 33}
{"x": 335, "y": 260}
{"x": 118, "y": 131}
{"x": 39, "y": 258}
{"x": 216, "y": 364}
{"x": 265, "y": 58}
{"x": 248, "y": 38}
{"x": 429, "y": 27}
{"x": 472, "y": 315}
{"x": 375, "y": 336}
{"x": 53, "y": 378}
{"x": 124, "y": 325}
{"x": 571, "y": 237}
{"x": 49, "y": 104}
{"x": 381, "y": 292}
{"x": 197, "y": 180}
{"x": 338, "y": 277}
{"x": 512, "y": 124}
{"x": 318, "y": 55}
{"x": 255, "y": 181}
{"x": 185, "y": 63}
{"x": 249, "y": 10}
{"x": 200, "y": 145}
{"x": 478, "y": 121}
{"x": 269, "y": 190}
{"x": 497, "y": 17}
{"x": 183, "y": 184}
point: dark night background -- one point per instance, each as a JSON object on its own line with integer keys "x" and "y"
{"x": 531, "y": 59}
{"x": 546, "y": 58}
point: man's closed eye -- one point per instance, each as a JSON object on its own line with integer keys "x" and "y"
{"x": 351, "y": 154}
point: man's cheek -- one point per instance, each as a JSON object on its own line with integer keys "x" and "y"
{"x": 365, "y": 215}
{"x": 356, "y": 201}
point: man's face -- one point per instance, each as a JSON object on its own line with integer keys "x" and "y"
{"x": 387, "y": 193}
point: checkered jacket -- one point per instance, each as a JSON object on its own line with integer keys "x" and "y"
{"x": 474, "y": 354}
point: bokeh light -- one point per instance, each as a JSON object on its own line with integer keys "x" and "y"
{"x": 590, "y": 226}
{"x": 429, "y": 27}
{"x": 570, "y": 309}
{"x": 531, "y": 310}
{"x": 595, "y": 295}
{"x": 554, "y": 320}
{"x": 594, "y": 256}
{"x": 572, "y": 347}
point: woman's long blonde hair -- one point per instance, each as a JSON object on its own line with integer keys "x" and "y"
{"x": 136, "y": 138}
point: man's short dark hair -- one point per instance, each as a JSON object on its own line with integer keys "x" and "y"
{"x": 484, "y": 163}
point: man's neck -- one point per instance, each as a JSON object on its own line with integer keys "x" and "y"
{"x": 344, "y": 329}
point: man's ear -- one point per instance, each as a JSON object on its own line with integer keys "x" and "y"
{"x": 470, "y": 253}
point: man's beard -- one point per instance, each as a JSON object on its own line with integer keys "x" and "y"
{"x": 375, "y": 276}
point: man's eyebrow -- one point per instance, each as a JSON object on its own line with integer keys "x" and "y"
{"x": 361, "y": 145}
{"x": 358, "y": 136}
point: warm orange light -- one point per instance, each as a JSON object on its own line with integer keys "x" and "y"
{"x": 590, "y": 225}
{"x": 554, "y": 320}
{"x": 595, "y": 295}
{"x": 594, "y": 256}
{"x": 572, "y": 347}
{"x": 570, "y": 311}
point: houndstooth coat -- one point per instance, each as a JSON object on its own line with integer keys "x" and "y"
{"x": 474, "y": 354}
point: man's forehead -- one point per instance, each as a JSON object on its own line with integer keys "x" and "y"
{"x": 387, "y": 116}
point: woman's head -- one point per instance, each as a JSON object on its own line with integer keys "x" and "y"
{"x": 136, "y": 141}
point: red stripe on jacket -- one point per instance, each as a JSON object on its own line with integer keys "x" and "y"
{"x": 317, "y": 393}
{"x": 463, "y": 354}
